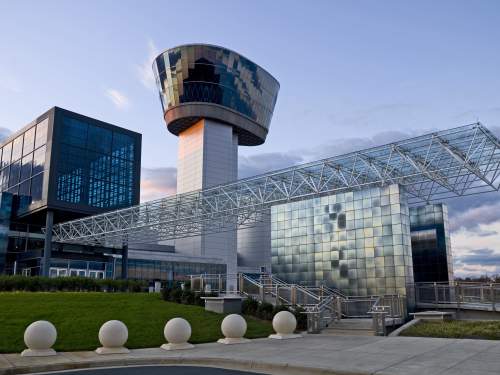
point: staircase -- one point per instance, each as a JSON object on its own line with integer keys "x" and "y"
{"x": 350, "y": 327}
{"x": 328, "y": 309}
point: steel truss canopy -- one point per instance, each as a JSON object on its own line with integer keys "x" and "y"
{"x": 431, "y": 167}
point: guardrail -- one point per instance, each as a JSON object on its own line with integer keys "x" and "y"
{"x": 323, "y": 305}
{"x": 459, "y": 295}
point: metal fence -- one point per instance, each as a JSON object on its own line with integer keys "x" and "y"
{"x": 458, "y": 294}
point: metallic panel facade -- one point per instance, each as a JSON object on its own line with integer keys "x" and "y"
{"x": 358, "y": 242}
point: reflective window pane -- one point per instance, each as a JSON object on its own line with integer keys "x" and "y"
{"x": 7, "y": 150}
{"x": 29, "y": 141}
{"x": 26, "y": 167}
{"x": 74, "y": 132}
{"x": 17, "y": 148}
{"x": 15, "y": 169}
{"x": 38, "y": 160}
{"x": 41, "y": 133}
{"x": 36, "y": 188}
{"x": 99, "y": 139}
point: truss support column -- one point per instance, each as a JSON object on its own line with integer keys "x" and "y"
{"x": 125, "y": 262}
{"x": 47, "y": 247}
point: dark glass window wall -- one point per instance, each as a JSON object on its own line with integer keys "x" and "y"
{"x": 23, "y": 163}
{"x": 430, "y": 242}
{"x": 96, "y": 167}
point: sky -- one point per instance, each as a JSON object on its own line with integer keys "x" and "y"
{"x": 353, "y": 74}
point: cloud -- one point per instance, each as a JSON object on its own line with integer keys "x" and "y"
{"x": 158, "y": 183}
{"x": 478, "y": 263}
{"x": 269, "y": 161}
{"x": 4, "y": 133}
{"x": 260, "y": 163}
{"x": 472, "y": 217}
{"x": 476, "y": 251}
{"x": 145, "y": 70}
{"x": 118, "y": 98}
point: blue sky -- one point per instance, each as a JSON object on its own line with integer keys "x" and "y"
{"x": 352, "y": 74}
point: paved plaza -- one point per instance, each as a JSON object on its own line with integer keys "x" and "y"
{"x": 313, "y": 354}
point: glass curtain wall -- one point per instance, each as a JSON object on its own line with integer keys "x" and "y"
{"x": 430, "y": 241}
{"x": 23, "y": 164}
{"x": 96, "y": 166}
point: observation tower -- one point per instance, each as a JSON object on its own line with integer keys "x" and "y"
{"x": 214, "y": 100}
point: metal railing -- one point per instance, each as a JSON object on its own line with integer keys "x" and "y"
{"x": 387, "y": 307}
{"x": 322, "y": 305}
{"x": 468, "y": 295}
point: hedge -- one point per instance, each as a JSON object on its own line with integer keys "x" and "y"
{"x": 250, "y": 306}
{"x": 68, "y": 284}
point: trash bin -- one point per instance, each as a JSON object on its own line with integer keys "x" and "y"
{"x": 313, "y": 322}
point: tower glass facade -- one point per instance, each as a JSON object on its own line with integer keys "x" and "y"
{"x": 211, "y": 74}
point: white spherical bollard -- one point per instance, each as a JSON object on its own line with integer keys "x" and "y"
{"x": 39, "y": 337}
{"x": 113, "y": 335}
{"x": 177, "y": 332}
{"x": 284, "y": 324}
{"x": 233, "y": 328}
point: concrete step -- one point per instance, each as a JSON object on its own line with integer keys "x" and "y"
{"x": 357, "y": 327}
{"x": 347, "y": 332}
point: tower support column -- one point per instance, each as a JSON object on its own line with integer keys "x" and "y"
{"x": 208, "y": 156}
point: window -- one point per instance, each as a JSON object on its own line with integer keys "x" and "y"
{"x": 99, "y": 139}
{"x": 38, "y": 160}
{"x": 36, "y": 188}
{"x": 15, "y": 169}
{"x": 26, "y": 167}
{"x": 74, "y": 132}
{"x": 7, "y": 150}
{"x": 5, "y": 178}
{"x": 29, "y": 141}
{"x": 123, "y": 146}
{"x": 17, "y": 148}
{"x": 41, "y": 133}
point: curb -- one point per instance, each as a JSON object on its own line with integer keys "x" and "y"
{"x": 398, "y": 331}
{"x": 222, "y": 363}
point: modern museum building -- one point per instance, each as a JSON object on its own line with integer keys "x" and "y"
{"x": 370, "y": 222}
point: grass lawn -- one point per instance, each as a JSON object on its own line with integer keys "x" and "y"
{"x": 458, "y": 329}
{"x": 78, "y": 317}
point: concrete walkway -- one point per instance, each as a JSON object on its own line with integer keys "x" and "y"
{"x": 313, "y": 354}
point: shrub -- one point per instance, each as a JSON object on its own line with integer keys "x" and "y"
{"x": 301, "y": 318}
{"x": 188, "y": 297}
{"x": 265, "y": 311}
{"x": 74, "y": 284}
{"x": 165, "y": 293}
{"x": 249, "y": 306}
{"x": 176, "y": 295}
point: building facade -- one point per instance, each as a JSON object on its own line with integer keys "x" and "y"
{"x": 59, "y": 167}
{"x": 358, "y": 242}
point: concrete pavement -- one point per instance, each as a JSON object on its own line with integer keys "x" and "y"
{"x": 313, "y": 354}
